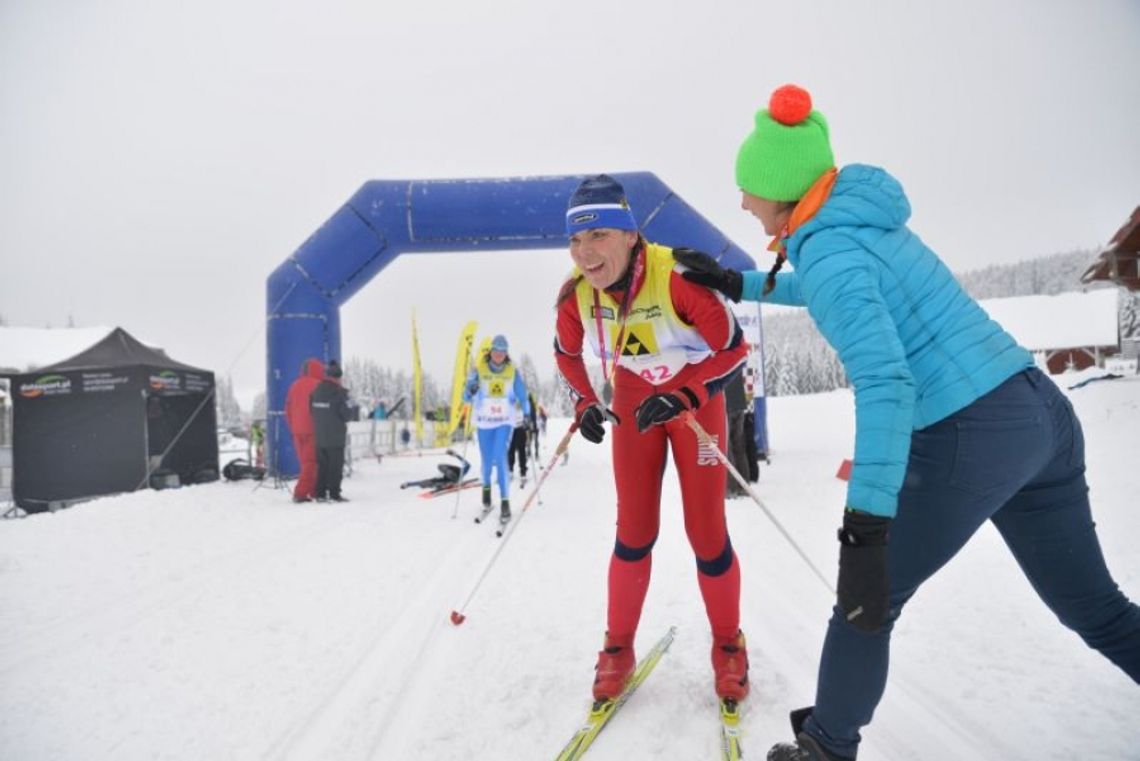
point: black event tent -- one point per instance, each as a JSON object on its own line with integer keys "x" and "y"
{"x": 100, "y": 423}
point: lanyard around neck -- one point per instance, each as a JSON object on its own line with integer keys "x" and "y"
{"x": 623, "y": 314}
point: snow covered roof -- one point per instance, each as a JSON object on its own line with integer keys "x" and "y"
{"x": 23, "y": 349}
{"x": 1064, "y": 321}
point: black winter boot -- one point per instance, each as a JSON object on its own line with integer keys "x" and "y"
{"x": 486, "y": 496}
{"x": 806, "y": 747}
{"x": 505, "y": 508}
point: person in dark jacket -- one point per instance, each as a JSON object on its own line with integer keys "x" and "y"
{"x": 300, "y": 422}
{"x": 736, "y": 406}
{"x": 526, "y": 425}
{"x": 331, "y": 412}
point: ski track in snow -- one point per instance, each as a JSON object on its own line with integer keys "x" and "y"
{"x": 157, "y": 597}
{"x": 374, "y": 688}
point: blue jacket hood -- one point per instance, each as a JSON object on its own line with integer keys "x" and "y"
{"x": 863, "y": 196}
{"x": 915, "y": 347}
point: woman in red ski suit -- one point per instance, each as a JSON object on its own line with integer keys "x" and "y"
{"x": 677, "y": 346}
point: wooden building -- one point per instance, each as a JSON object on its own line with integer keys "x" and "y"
{"x": 1069, "y": 331}
{"x": 1120, "y": 261}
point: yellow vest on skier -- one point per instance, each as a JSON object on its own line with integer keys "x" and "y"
{"x": 657, "y": 343}
{"x": 494, "y": 402}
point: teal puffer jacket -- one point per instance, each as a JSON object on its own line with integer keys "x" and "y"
{"x": 915, "y": 347}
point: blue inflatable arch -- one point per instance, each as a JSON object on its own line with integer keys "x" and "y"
{"x": 387, "y": 218}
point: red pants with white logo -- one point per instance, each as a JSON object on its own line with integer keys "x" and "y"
{"x": 639, "y": 465}
{"x": 306, "y": 447}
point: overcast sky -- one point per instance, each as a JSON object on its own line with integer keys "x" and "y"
{"x": 158, "y": 160}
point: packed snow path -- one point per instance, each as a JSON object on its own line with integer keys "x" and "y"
{"x": 225, "y": 622}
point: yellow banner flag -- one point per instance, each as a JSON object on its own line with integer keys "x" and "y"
{"x": 417, "y": 384}
{"x": 459, "y": 377}
{"x": 483, "y": 350}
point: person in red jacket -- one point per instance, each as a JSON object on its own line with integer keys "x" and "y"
{"x": 676, "y": 346}
{"x": 300, "y": 422}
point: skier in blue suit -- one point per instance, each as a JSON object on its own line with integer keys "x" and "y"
{"x": 954, "y": 425}
{"x": 494, "y": 388}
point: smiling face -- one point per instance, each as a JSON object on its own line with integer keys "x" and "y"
{"x": 772, "y": 214}
{"x": 498, "y": 357}
{"x": 602, "y": 254}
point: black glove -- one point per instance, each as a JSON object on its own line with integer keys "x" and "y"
{"x": 864, "y": 589}
{"x": 661, "y": 408}
{"x": 590, "y": 422}
{"x": 473, "y": 388}
{"x": 703, "y": 270}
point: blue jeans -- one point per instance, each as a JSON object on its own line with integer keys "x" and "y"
{"x": 1015, "y": 457}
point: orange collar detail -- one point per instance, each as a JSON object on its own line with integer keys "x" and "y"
{"x": 811, "y": 202}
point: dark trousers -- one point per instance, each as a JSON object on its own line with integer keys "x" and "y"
{"x": 330, "y": 470}
{"x": 518, "y": 444}
{"x": 737, "y": 452}
{"x": 1015, "y": 457}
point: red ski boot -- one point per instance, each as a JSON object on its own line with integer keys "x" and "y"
{"x": 730, "y": 666}
{"x": 616, "y": 663}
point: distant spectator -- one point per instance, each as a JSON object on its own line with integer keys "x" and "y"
{"x": 300, "y": 422}
{"x": 381, "y": 412}
{"x": 736, "y": 405}
{"x": 331, "y": 413}
{"x": 257, "y": 439}
{"x": 525, "y": 427}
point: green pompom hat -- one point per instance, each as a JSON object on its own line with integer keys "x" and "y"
{"x": 787, "y": 151}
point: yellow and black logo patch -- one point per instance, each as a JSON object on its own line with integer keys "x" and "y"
{"x": 640, "y": 341}
{"x": 497, "y": 388}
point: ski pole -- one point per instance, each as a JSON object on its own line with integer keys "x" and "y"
{"x": 707, "y": 441}
{"x": 457, "y": 615}
{"x": 466, "y": 441}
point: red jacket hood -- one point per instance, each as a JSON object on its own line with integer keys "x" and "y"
{"x": 313, "y": 368}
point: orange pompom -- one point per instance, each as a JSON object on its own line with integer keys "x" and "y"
{"x": 790, "y": 104}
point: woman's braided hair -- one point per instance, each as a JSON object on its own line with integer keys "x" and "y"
{"x": 781, "y": 256}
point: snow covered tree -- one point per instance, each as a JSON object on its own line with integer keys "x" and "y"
{"x": 529, "y": 373}
{"x": 555, "y": 397}
{"x": 260, "y": 406}
{"x": 229, "y": 411}
{"x": 797, "y": 359}
{"x": 1129, "y": 315}
{"x": 1044, "y": 275}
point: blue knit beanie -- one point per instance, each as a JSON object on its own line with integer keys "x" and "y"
{"x": 499, "y": 343}
{"x": 599, "y": 202}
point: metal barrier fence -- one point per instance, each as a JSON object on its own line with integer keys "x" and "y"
{"x": 372, "y": 437}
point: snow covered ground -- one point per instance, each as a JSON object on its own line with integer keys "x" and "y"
{"x": 224, "y": 622}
